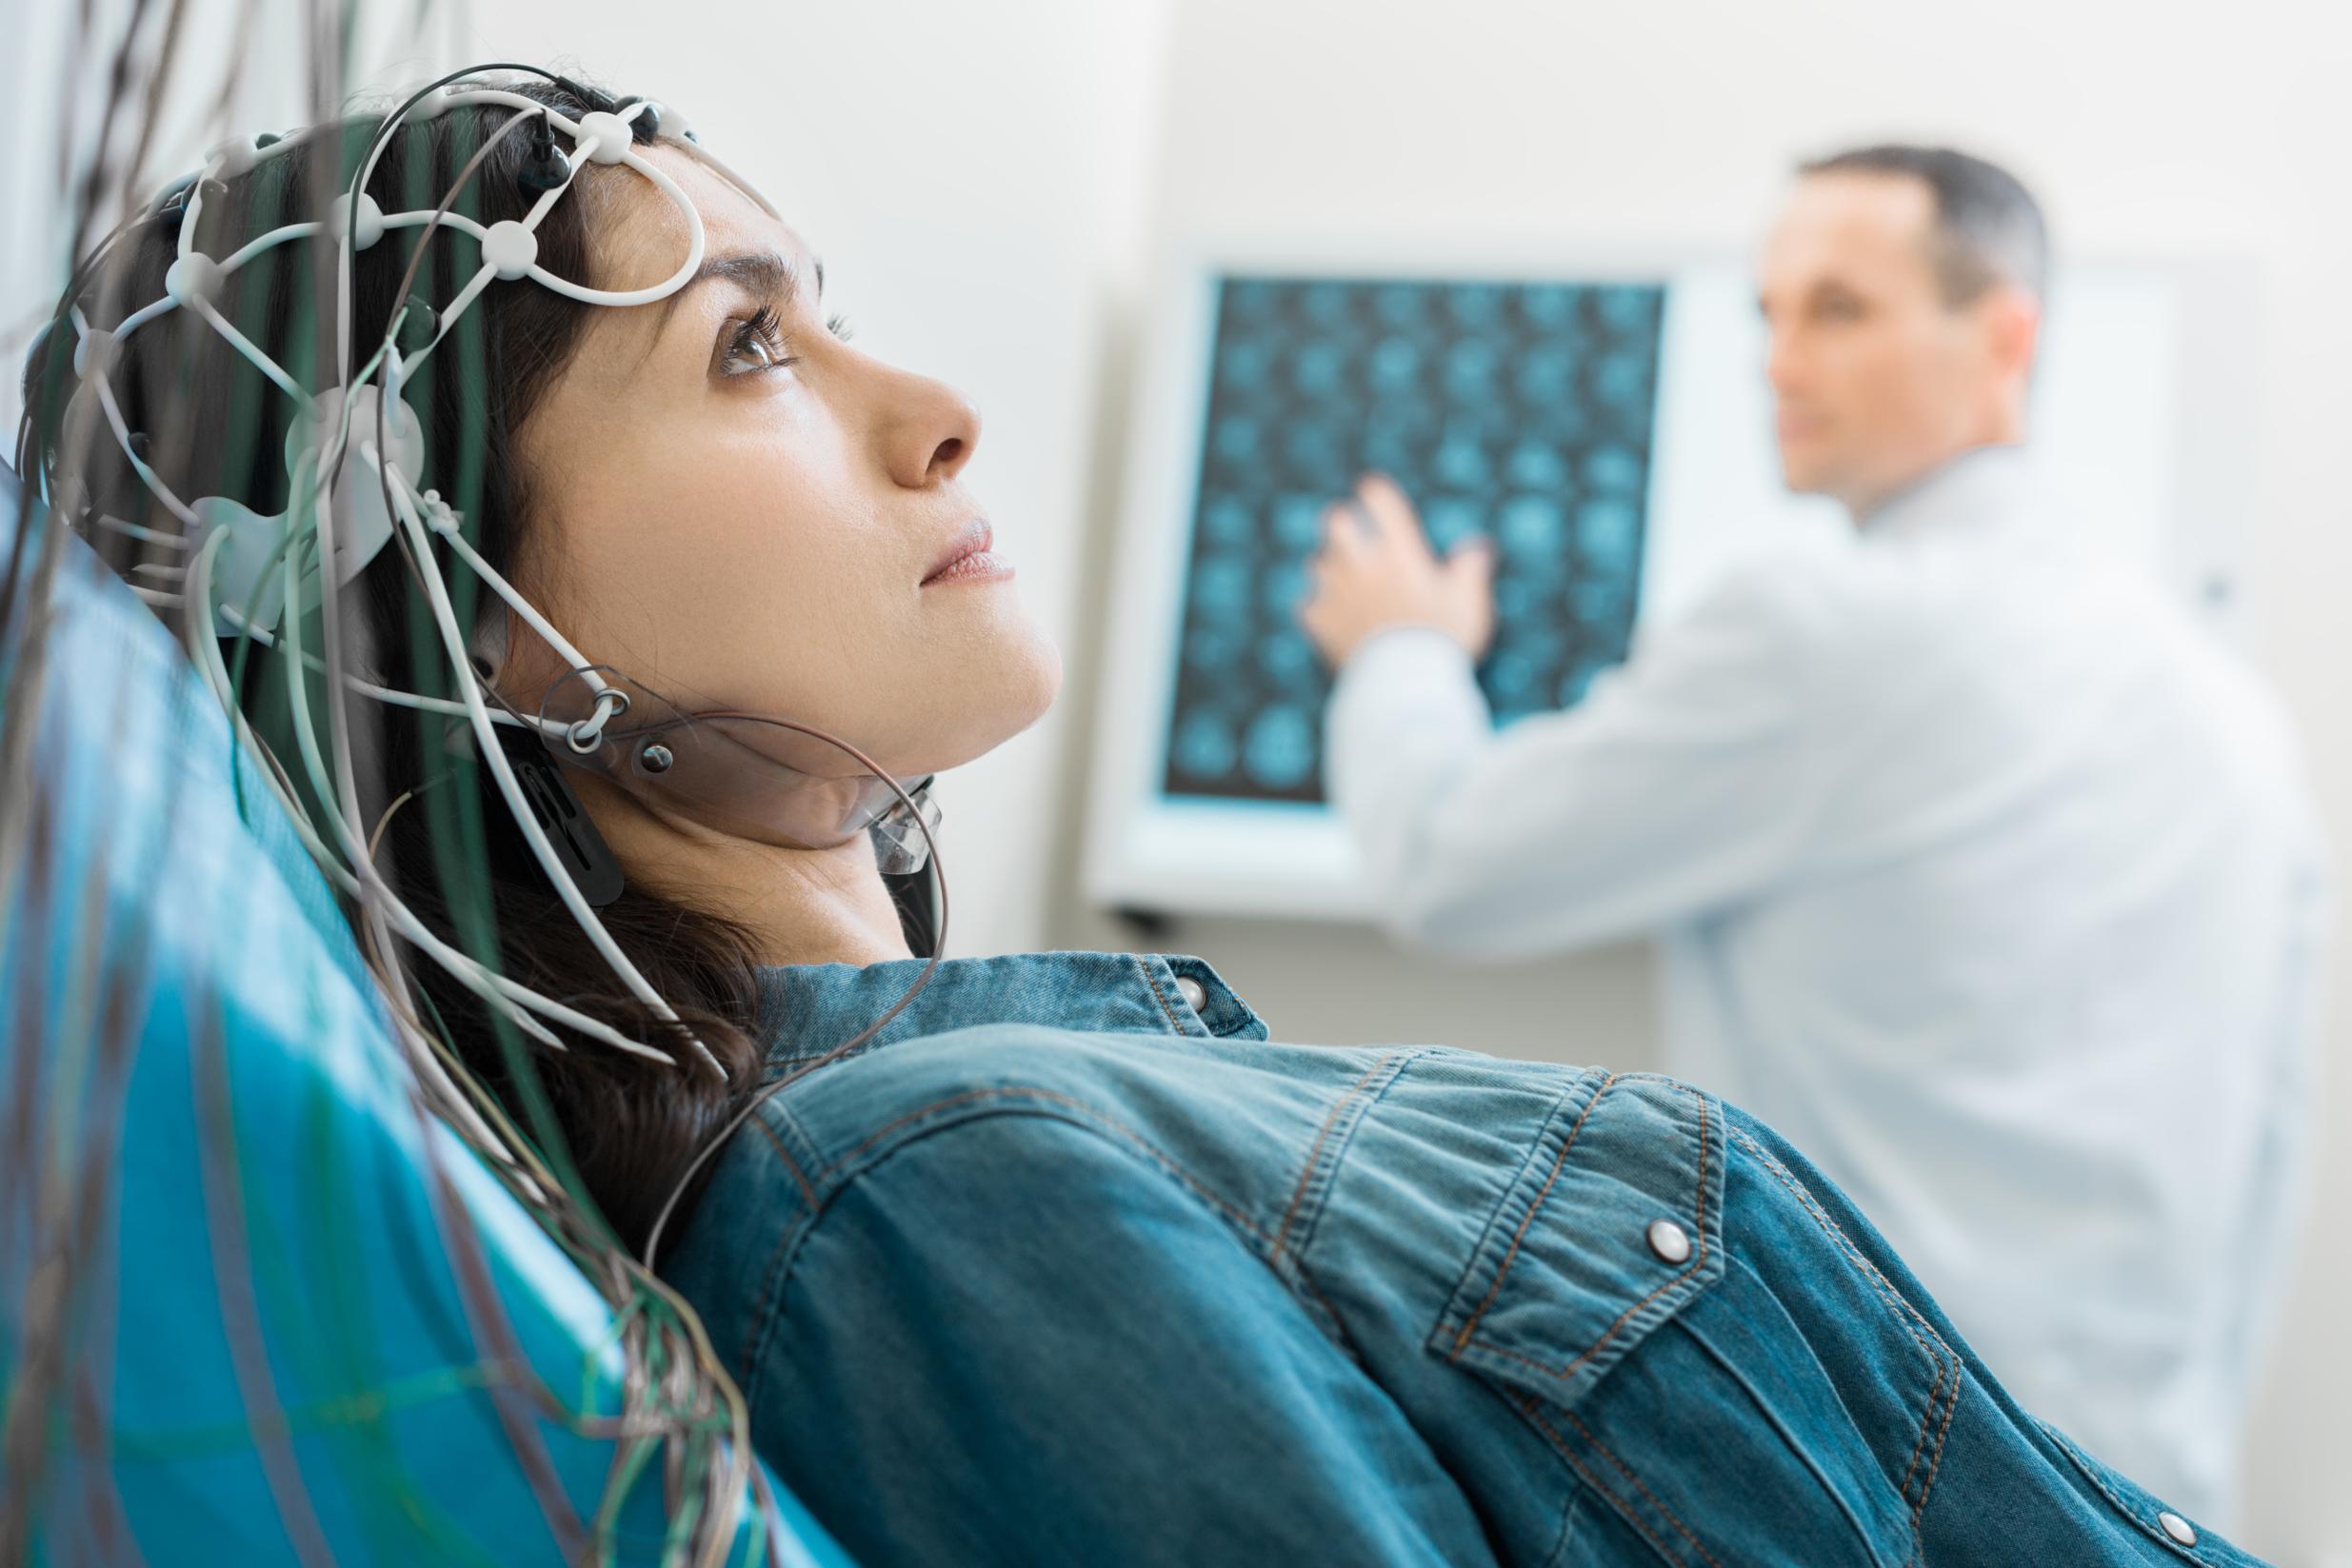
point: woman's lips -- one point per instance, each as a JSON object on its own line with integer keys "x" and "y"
{"x": 970, "y": 557}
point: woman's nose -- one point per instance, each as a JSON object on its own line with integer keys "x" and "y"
{"x": 929, "y": 434}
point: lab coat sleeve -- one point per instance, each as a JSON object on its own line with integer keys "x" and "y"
{"x": 1685, "y": 782}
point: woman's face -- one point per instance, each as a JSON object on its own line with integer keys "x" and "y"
{"x": 736, "y": 509}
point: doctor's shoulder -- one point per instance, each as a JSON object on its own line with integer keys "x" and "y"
{"x": 1785, "y": 601}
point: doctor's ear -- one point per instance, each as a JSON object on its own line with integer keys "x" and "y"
{"x": 2013, "y": 317}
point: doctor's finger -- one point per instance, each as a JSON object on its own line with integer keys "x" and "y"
{"x": 1394, "y": 522}
{"x": 1343, "y": 534}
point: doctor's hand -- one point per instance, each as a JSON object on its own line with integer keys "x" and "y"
{"x": 1376, "y": 570}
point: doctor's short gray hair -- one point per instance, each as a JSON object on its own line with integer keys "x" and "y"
{"x": 1989, "y": 229}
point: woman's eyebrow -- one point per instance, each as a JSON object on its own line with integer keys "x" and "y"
{"x": 766, "y": 273}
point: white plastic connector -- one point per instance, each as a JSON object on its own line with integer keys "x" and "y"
{"x": 229, "y": 159}
{"x": 511, "y": 249}
{"x": 609, "y": 134}
{"x": 242, "y": 575}
{"x": 369, "y": 228}
{"x": 363, "y": 523}
{"x": 194, "y": 278}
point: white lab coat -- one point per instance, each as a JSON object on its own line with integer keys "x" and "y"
{"x": 1983, "y": 875}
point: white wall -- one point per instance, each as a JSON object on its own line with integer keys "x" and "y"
{"x": 2148, "y": 131}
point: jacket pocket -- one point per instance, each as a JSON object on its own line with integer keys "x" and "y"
{"x": 1612, "y": 1225}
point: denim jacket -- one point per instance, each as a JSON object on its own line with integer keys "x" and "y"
{"x": 1074, "y": 1265}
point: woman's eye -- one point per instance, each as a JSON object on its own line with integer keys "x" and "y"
{"x": 758, "y": 346}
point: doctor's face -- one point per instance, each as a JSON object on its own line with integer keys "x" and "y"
{"x": 1878, "y": 376}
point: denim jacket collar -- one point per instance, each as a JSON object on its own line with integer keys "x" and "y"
{"x": 810, "y": 1008}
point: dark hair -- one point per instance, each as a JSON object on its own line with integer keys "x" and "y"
{"x": 1989, "y": 227}
{"x": 213, "y": 426}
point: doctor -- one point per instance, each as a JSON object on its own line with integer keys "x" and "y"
{"x": 1980, "y": 871}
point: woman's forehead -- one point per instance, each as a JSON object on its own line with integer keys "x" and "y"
{"x": 639, "y": 237}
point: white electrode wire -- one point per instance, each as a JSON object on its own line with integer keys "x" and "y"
{"x": 448, "y": 220}
{"x": 270, "y": 242}
{"x": 360, "y": 684}
{"x": 388, "y": 963}
{"x": 652, "y": 292}
{"x": 582, "y": 143}
{"x": 251, "y": 350}
{"x": 465, "y": 297}
{"x": 184, "y": 241}
{"x": 144, "y": 313}
{"x": 505, "y": 590}
{"x": 499, "y": 987}
{"x": 704, "y": 156}
{"x": 459, "y": 1104}
{"x": 147, "y": 476}
{"x": 147, "y": 535}
{"x": 453, "y": 640}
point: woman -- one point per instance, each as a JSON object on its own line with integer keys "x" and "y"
{"x": 1047, "y": 1258}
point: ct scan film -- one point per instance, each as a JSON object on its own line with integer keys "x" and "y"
{"x": 1523, "y": 411}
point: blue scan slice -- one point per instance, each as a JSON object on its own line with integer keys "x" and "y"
{"x": 1521, "y": 412}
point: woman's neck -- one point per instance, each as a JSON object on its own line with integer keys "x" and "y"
{"x": 798, "y": 906}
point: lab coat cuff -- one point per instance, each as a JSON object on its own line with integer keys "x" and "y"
{"x": 1401, "y": 652}
{"x": 1414, "y": 675}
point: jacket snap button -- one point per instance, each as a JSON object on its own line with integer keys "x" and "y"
{"x": 1670, "y": 1242}
{"x": 2177, "y": 1528}
{"x": 1194, "y": 993}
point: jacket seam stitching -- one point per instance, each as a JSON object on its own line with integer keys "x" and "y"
{"x": 1884, "y": 1289}
{"x": 790, "y": 1166}
{"x": 1510, "y": 1255}
{"x": 1729, "y": 1367}
{"x": 1932, "y": 1346}
{"x": 1314, "y": 1153}
{"x": 1623, "y": 1470}
{"x": 764, "y": 1315}
{"x": 2074, "y": 1458}
{"x": 1528, "y": 1407}
{"x": 1157, "y": 995}
{"x": 773, "y": 1270}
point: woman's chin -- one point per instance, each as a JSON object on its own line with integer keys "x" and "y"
{"x": 974, "y": 716}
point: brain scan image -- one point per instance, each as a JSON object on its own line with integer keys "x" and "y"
{"x": 1522, "y": 412}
